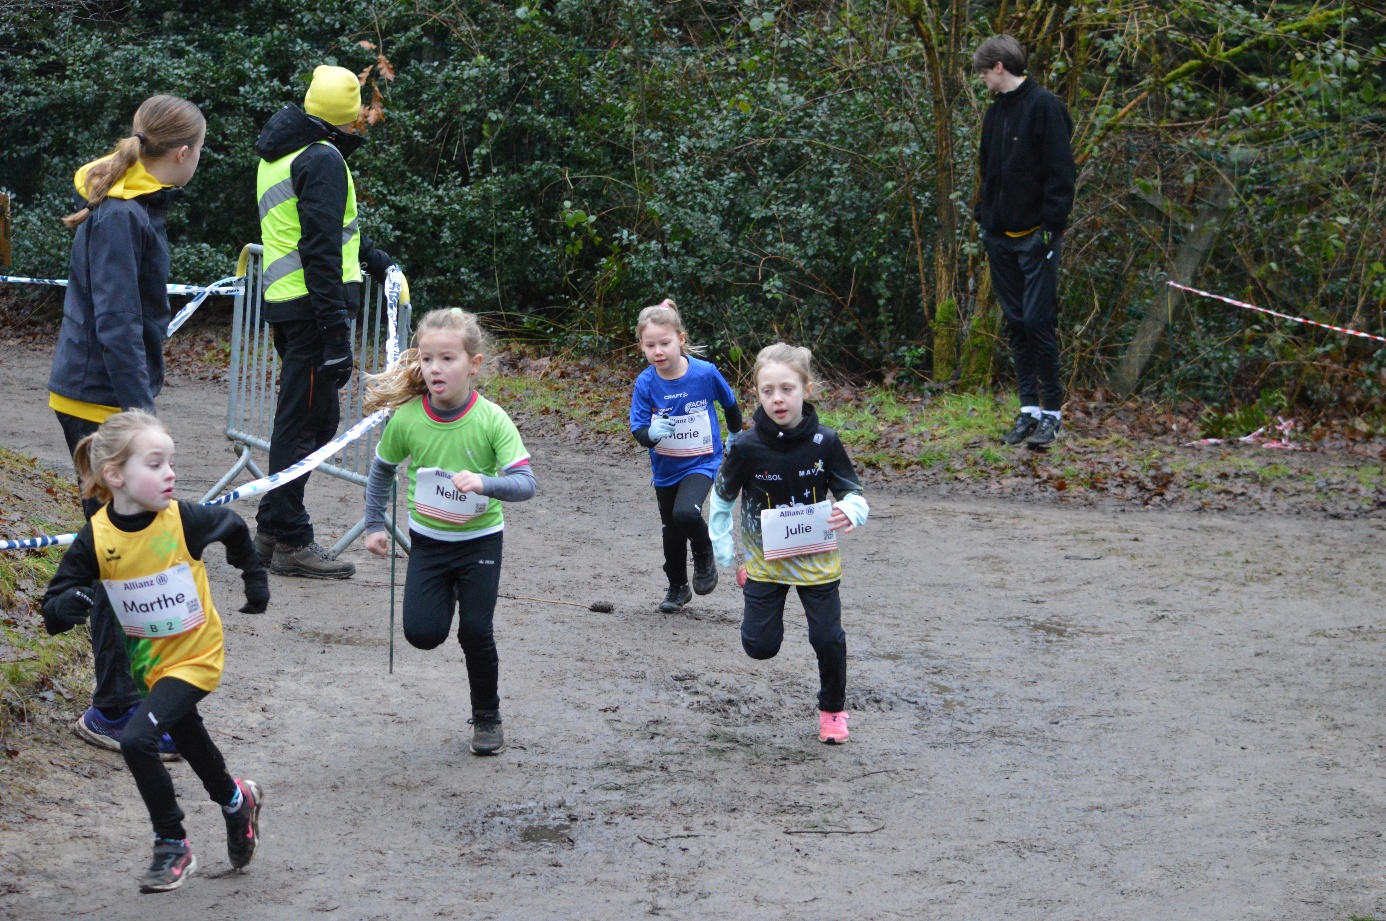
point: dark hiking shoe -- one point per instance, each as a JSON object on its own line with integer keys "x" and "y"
{"x": 487, "y": 738}
{"x": 243, "y": 825}
{"x": 1025, "y": 425}
{"x": 675, "y": 598}
{"x": 704, "y": 572}
{"x": 309, "y": 561}
{"x": 173, "y": 862}
{"x": 1046, "y": 433}
{"x": 264, "y": 545}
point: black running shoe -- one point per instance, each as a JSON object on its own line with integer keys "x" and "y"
{"x": 487, "y": 738}
{"x": 675, "y": 598}
{"x": 243, "y": 825}
{"x": 1046, "y": 433}
{"x": 704, "y": 572}
{"x": 1025, "y": 424}
{"x": 173, "y": 863}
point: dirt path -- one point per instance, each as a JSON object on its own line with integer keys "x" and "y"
{"x": 1057, "y": 713}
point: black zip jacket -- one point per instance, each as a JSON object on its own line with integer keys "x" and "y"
{"x": 319, "y": 177}
{"x": 1026, "y": 159}
{"x": 110, "y": 347}
{"x": 773, "y": 467}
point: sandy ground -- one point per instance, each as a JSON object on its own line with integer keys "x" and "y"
{"x": 1057, "y": 712}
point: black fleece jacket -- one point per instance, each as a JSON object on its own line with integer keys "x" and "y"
{"x": 1026, "y": 158}
{"x": 319, "y": 177}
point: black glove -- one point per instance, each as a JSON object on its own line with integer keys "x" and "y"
{"x": 257, "y": 593}
{"x": 377, "y": 262}
{"x": 336, "y": 354}
{"x": 73, "y": 607}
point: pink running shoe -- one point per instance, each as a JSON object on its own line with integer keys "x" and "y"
{"x": 832, "y": 727}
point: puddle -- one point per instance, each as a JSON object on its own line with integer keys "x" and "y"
{"x": 949, "y": 695}
{"x": 560, "y": 833}
{"x": 341, "y": 639}
{"x": 1057, "y": 629}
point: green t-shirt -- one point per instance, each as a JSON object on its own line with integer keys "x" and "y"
{"x": 482, "y": 440}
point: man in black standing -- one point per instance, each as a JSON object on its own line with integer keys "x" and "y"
{"x": 1028, "y": 178}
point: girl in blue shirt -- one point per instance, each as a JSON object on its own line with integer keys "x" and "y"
{"x": 671, "y": 414}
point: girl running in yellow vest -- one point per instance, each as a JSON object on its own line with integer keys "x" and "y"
{"x": 143, "y": 550}
{"x": 465, "y": 459}
{"x": 671, "y": 413}
{"x": 784, "y": 468}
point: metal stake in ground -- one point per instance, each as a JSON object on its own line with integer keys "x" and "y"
{"x": 601, "y": 607}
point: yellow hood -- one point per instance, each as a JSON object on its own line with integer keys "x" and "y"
{"x": 137, "y": 181}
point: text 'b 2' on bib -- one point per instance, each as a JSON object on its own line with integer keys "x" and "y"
{"x": 436, "y": 497}
{"x": 796, "y": 530}
{"x": 163, "y": 604}
{"x": 692, "y": 436}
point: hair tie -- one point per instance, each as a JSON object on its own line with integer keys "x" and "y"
{"x": 456, "y": 311}
{"x": 142, "y": 138}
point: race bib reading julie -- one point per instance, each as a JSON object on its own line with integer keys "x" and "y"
{"x": 692, "y": 436}
{"x": 436, "y": 497}
{"x": 796, "y": 530}
{"x": 164, "y": 604}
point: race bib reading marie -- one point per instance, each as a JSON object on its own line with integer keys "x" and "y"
{"x": 164, "y": 604}
{"x": 436, "y": 497}
{"x": 692, "y": 436}
{"x": 796, "y": 530}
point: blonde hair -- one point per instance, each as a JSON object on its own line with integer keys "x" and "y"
{"x": 393, "y": 387}
{"x": 161, "y": 124}
{"x": 795, "y": 357}
{"x": 109, "y": 446}
{"x": 666, "y": 314}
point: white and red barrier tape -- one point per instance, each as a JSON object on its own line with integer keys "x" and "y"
{"x": 1284, "y": 316}
{"x": 275, "y": 480}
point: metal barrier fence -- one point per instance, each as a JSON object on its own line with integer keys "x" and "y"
{"x": 254, "y": 385}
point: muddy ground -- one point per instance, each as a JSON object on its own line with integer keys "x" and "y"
{"x": 1057, "y": 712}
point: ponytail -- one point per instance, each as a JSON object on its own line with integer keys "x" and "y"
{"x": 161, "y": 124}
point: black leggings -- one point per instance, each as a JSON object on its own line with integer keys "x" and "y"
{"x": 681, "y": 511}
{"x": 172, "y": 707}
{"x": 465, "y": 573}
{"x": 762, "y": 632}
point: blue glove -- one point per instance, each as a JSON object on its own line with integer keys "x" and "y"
{"x": 661, "y": 427}
{"x": 719, "y": 528}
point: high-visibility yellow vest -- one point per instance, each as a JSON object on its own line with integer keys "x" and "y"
{"x": 280, "y": 230}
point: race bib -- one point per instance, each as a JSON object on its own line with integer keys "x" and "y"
{"x": 436, "y": 497}
{"x": 796, "y": 530}
{"x": 692, "y": 436}
{"x": 152, "y": 607}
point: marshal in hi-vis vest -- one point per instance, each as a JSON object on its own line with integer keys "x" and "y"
{"x": 280, "y": 230}
{"x": 180, "y": 631}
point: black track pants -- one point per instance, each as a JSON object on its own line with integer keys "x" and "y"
{"x": 464, "y": 575}
{"x": 681, "y": 511}
{"x": 172, "y": 707}
{"x": 1025, "y": 276}
{"x": 305, "y": 419}
{"x": 762, "y": 632}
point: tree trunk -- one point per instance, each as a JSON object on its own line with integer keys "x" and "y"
{"x": 1193, "y": 251}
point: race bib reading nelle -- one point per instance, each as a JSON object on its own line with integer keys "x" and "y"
{"x": 796, "y": 530}
{"x": 436, "y": 497}
{"x": 692, "y": 436}
{"x": 156, "y": 606}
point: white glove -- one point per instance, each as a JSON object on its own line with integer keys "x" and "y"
{"x": 661, "y": 427}
{"x": 854, "y": 507}
{"x": 731, "y": 440}
{"x": 719, "y": 528}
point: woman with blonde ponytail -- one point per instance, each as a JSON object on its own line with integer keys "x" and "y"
{"x": 110, "y": 351}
